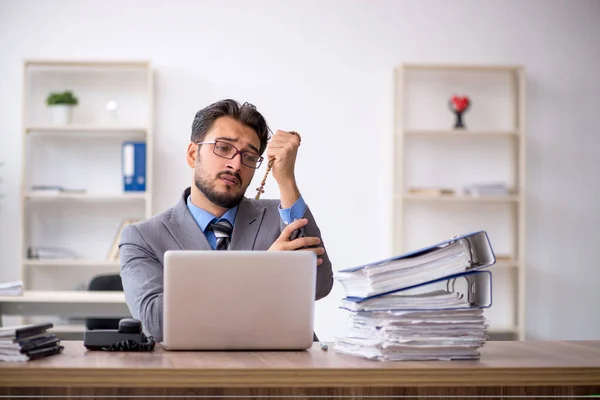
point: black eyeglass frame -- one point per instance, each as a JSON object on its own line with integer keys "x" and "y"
{"x": 237, "y": 151}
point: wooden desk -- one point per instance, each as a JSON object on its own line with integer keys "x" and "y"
{"x": 505, "y": 368}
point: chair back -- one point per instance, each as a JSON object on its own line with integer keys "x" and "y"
{"x": 110, "y": 282}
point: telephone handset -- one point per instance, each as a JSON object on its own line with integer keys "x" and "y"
{"x": 129, "y": 337}
{"x": 298, "y": 232}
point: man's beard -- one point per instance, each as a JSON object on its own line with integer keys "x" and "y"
{"x": 207, "y": 187}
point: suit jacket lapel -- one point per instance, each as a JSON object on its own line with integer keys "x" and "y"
{"x": 184, "y": 228}
{"x": 247, "y": 223}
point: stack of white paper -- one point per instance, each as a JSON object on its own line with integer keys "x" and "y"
{"x": 436, "y": 325}
{"x": 11, "y": 288}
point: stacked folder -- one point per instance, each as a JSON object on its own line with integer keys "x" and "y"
{"x": 397, "y": 311}
{"x": 28, "y": 342}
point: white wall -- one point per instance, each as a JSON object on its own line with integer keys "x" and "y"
{"x": 324, "y": 68}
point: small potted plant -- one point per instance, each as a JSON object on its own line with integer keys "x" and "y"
{"x": 62, "y": 104}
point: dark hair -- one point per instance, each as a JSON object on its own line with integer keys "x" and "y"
{"x": 245, "y": 113}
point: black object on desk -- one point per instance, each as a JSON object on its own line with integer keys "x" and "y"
{"x": 129, "y": 337}
{"x": 29, "y": 342}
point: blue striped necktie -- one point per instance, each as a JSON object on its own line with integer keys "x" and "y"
{"x": 222, "y": 230}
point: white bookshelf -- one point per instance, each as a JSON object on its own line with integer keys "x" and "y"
{"x": 50, "y": 298}
{"x": 449, "y": 133}
{"x": 45, "y": 304}
{"x": 91, "y": 131}
{"x": 461, "y": 198}
{"x": 429, "y": 153}
{"x": 1, "y": 181}
{"x": 87, "y": 197}
{"x": 84, "y": 155}
{"x": 78, "y": 263}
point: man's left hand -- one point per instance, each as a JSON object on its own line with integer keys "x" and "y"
{"x": 284, "y": 147}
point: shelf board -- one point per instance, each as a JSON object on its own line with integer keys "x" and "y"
{"x": 88, "y": 63}
{"x": 461, "y": 198}
{"x": 71, "y": 263}
{"x": 84, "y": 131}
{"x": 86, "y": 197}
{"x": 66, "y": 296}
{"x": 439, "y": 133}
{"x": 461, "y": 67}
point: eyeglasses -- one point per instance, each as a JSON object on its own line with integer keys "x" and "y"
{"x": 229, "y": 151}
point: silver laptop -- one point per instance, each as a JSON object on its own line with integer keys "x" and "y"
{"x": 239, "y": 300}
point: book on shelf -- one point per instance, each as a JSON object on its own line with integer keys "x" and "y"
{"x": 396, "y": 314}
{"x": 28, "y": 342}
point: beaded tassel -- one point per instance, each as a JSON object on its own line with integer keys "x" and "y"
{"x": 260, "y": 189}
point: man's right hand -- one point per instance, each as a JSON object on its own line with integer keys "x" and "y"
{"x": 283, "y": 242}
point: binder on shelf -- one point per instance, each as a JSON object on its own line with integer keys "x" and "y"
{"x": 134, "y": 166}
{"x": 460, "y": 256}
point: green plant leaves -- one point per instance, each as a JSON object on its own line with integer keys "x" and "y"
{"x": 66, "y": 97}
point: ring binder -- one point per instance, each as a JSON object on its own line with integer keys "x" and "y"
{"x": 134, "y": 166}
{"x": 388, "y": 323}
{"x": 442, "y": 261}
{"x": 479, "y": 288}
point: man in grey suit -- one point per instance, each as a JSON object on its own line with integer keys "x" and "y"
{"x": 215, "y": 214}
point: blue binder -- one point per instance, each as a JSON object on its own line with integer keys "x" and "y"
{"x": 479, "y": 283}
{"x": 134, "y": 166}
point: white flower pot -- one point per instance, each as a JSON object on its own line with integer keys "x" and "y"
{"x": 62, "y": 113}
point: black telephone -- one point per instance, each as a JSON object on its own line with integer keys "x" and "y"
{"x": 129, "y": 337}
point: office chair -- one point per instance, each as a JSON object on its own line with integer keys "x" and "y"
{"x": 104, "y": 282}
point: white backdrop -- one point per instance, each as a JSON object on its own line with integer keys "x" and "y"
{"x": 324, "y": 68}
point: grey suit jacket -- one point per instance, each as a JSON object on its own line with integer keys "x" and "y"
{"x": 143, "y": 245}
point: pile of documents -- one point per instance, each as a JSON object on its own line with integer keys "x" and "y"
{"x": 28, "y": 342}
{"x": 14, "y": 288}
{"x": 395, "y": 313}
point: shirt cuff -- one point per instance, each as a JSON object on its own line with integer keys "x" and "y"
{"x": 289, "y": 215}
